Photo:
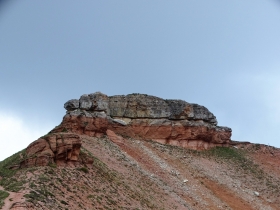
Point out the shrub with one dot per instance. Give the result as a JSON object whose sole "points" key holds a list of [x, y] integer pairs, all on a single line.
{"points": [[64, 130], [63, 202], [83, 169], [52, 164]]}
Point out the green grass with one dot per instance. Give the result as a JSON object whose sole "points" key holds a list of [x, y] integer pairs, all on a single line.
{"points": [[34, 196], [52, 165], [7, 181], [12, 184], [43, 178], [227, 153], [64, 130], [38, 195], [238, 158], [10, 161], [3, 196], [83, 169], [233, 156]]}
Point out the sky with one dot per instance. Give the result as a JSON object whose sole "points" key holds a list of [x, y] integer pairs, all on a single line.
{"points": [[221, 54]]}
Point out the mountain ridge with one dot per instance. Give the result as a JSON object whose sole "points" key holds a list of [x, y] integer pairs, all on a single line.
{"points": [[140, 152]]}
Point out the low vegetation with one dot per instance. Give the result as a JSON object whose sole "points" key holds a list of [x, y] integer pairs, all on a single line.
{"points": [[7, 173], [237, 157], [3, 196], [227, 153], [6, 164], [101, 186], [83, 169]]}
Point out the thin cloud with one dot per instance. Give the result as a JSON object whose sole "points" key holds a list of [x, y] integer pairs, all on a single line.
{"points": [[16, 135]]}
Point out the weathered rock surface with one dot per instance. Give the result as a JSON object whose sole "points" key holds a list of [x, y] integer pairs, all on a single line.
{"points": [[59, 148], [22, 206], [142, 116], [85, 102], [71, 105], [100, 102], [138, 106]]}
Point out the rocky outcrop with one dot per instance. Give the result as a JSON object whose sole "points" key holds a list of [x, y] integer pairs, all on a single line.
{"points": [[138, 116], [59, 148], [136, 106], [142, 116]]}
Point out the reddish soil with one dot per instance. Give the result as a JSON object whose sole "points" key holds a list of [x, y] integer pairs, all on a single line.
{"points": [[227, 196], [15, 200], [130, 173]]}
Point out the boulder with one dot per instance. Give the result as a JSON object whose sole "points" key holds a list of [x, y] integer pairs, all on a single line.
{"points": [[100, 102], [85, 102], [72, 104], [122, 122], [202, 113], [256, 193], [181, 110]]}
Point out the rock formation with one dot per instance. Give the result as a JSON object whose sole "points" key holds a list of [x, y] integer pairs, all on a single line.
{"points": [[109, 165], [138, 116], [147, 117], [59, 148]]}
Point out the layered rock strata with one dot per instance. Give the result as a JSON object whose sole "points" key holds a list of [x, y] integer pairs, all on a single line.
{"points": [[142, 116], [59, 148]]}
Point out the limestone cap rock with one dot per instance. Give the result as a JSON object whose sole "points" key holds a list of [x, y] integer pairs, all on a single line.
{"points": [[137, 105], [143, 116]]}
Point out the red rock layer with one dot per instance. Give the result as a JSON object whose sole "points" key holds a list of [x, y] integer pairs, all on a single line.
{"points": [[195, 135], [59, 148]]}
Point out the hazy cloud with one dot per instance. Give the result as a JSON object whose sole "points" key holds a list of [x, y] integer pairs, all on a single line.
{"points": [[16, 135]]}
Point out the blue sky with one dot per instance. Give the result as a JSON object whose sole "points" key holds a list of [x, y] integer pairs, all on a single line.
{"points": [[220, 54]]}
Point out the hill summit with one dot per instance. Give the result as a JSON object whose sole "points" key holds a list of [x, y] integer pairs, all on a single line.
{"points": [[141, 116], [139, 151], [174, 122]]}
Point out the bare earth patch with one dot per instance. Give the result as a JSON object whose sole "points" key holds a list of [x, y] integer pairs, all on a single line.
{"points": [[131, 173]]}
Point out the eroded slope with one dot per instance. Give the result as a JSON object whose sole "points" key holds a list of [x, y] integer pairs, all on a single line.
{"points": [[128, 173]]}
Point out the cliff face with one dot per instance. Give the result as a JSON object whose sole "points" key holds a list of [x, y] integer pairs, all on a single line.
{"points": [[142, 116]]}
